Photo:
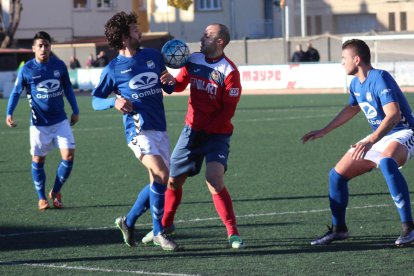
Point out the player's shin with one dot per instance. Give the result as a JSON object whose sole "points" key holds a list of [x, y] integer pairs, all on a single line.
{"points": [[140, 206], [338, 198], [224, 207], [157, 196], [397, 187], [39, 179], [172, 201], [62, 174]]}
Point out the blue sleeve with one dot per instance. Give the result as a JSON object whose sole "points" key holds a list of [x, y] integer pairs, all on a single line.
{"points": [[15, 94], [101, 92], [106, 84], [169, 89], [70, 95], [387, 88], [13, 100], [102, 103], [352, 100]]}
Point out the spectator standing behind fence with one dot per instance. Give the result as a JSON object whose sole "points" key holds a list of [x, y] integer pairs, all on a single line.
{"points": [[90, 61], [74, 63], [298, 54], [311, 54], [101, 60]]}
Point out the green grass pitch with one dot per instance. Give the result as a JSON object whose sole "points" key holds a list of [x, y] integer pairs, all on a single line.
{"points": [[278, 186]]}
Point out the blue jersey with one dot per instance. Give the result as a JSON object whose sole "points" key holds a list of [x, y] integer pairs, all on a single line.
{"points": [[45, 85], [136, 79], [379, 89]]}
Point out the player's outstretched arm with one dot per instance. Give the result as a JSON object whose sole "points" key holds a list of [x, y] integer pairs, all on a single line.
{"points": [[166, 78], [346, 114], [312, 135]]}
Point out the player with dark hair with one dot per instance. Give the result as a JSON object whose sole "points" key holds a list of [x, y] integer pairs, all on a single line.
{"points": [[45, 79], [215, 90], [388, 147], [138, 78]]}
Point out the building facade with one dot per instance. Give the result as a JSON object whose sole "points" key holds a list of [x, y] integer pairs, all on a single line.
{"points": [[265, 19], [70, 19], [67, 20]]}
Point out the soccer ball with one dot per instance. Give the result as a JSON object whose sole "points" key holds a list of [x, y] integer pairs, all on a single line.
{"points": [[175, 53]]}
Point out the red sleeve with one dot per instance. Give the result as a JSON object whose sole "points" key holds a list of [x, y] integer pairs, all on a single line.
{"points": [[231, 97], [181, 80]]}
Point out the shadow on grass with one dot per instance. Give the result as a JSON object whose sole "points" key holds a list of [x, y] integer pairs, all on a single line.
{"points": [[37, 238], [213, 249]]}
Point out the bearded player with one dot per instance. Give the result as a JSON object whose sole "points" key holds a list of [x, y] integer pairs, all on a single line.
{"points": [[215, 90]]}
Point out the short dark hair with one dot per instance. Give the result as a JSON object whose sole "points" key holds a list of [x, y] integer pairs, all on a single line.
{"points": [[42, 35], [224, 33], [118, 26], [360, 47]]}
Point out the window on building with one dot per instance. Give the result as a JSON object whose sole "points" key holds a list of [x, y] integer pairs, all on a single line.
{"points": [[403, 21], [161, 6], [208, 5], [318, 24], [308, 25], [80, 4], [104, 4], [391, 21]]}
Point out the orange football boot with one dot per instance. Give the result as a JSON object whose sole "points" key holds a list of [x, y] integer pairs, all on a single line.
{"points": [[43, 204], [57, 199]]}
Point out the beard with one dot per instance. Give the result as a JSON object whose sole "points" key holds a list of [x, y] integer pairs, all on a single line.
{"points": [[353, 71], [135, 43]]}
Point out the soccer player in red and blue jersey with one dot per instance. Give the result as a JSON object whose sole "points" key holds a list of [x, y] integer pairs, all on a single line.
{"points": [[389, 146], [46, 80], [215, 90], [135, 77]]}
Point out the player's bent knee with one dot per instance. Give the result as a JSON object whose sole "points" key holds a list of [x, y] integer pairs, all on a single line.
{"points": [[176, 183], [161, 177]]}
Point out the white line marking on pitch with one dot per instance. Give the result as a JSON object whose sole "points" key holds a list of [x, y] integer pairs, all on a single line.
{"points": [[97, 269], [141, 272], [194, 220]]}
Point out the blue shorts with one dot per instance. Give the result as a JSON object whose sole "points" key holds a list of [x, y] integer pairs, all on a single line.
{"points": [[193, 146]]}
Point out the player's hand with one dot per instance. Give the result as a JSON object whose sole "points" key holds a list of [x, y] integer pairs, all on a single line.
{"points": [[123, 105], [312, 135], [166, 78], [10, 122], [74, 119], [360, 149]]}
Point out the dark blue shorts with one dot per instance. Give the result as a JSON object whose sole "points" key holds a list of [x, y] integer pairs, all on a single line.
{"points": [[193, 146]]}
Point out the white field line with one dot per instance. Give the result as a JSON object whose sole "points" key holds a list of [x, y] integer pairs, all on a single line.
{"points": [[26, 130], [141, 272], [194, 220], [98, 269]]}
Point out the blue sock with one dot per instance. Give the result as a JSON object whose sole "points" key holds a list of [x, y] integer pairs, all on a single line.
{"points": [[62, 174], [338, 197], [139, 207], [157, 196], [397, 187], [39, 179]]}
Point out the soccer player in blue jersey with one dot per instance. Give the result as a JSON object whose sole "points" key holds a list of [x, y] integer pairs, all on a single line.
{"points": [[138, 78], [388, 147], [46, 80]]}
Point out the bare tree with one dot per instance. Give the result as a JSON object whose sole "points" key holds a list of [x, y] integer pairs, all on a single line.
{"points": [[7, 32]]}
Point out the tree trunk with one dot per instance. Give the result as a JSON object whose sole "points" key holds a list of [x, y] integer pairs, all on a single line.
{"points": [[7, 32]]}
